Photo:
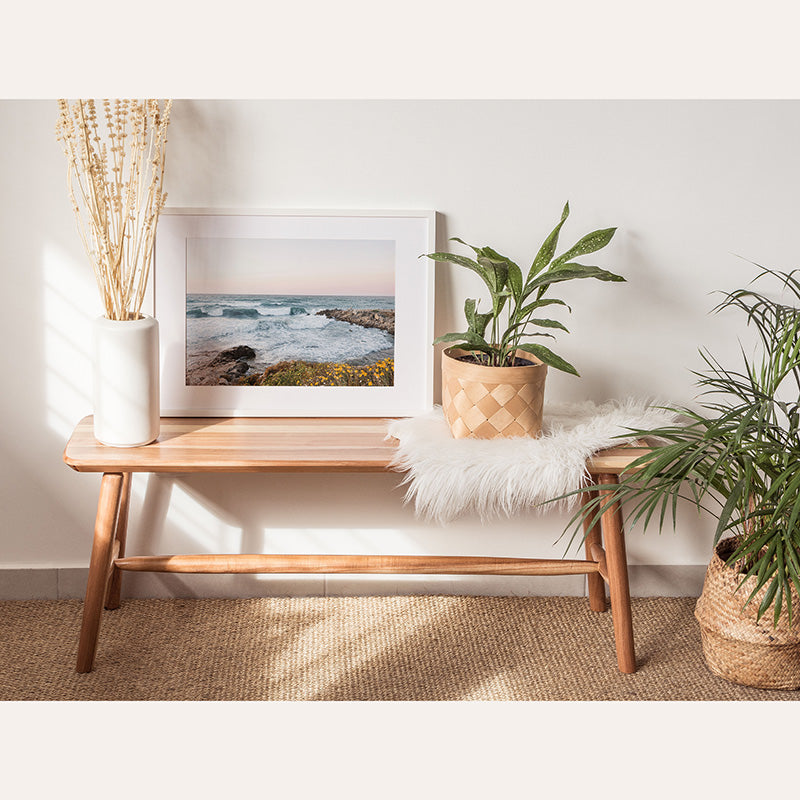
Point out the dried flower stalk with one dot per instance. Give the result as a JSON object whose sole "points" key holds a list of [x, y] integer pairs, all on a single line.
{"points": [[116, 170]]}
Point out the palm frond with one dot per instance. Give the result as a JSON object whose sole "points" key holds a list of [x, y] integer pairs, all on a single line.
{"points": [[740, 452]]}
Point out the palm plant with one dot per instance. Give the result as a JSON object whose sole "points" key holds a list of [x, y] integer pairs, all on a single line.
{"points": [[739, 456], [521, 297]]}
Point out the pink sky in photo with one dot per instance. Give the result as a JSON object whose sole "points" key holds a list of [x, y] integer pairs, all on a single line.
{"points": [[290, 266]]}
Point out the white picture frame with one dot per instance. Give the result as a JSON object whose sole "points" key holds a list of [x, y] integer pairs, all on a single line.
{"points": [[407, 235]]}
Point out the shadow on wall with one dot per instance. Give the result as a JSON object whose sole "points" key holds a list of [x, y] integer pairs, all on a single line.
{"points": [[274, 513], [167, 516], [203, 166], [313, 513], [442, 289], [278, 513]]}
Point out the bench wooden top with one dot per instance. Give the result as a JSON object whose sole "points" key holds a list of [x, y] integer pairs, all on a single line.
{"points": [[261, 444]]}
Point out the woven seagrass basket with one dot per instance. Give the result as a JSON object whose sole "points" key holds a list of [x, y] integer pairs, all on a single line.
{"points": [[491, 402], [736, 646]]}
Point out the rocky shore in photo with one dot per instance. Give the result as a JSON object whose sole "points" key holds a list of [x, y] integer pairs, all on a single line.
{"points": [[229, 367], [224, 368], [367, 318]]}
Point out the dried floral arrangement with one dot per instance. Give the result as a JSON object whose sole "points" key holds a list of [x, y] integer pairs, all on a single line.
{"points": [[115, 169]]}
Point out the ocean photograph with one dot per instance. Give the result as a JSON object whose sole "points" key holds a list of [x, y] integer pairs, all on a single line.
{"points": [[290, 312]]}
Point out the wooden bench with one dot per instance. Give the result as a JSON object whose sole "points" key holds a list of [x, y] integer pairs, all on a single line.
{"points": [[189, 445]]}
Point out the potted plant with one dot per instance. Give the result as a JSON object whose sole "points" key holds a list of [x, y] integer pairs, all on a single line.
{"points": [[115, 170], [738, 457], [493, 382]]}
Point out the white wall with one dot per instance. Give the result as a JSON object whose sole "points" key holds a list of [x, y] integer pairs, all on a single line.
{"points": [[690, 185]]}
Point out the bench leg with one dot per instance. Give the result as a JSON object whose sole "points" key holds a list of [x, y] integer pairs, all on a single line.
{"points": [[115, 583], [618, 589], [595, 583], [99, 566]]}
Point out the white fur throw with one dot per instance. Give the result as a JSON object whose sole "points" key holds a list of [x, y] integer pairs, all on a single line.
{"points": [[448, 477]]}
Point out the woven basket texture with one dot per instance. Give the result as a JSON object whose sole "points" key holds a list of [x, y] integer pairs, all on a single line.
{"points": [[736, 646], [491, 402]]}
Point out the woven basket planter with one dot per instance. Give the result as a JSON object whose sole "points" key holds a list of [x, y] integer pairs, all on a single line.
{"points": [[491, 402], [735, 646]]}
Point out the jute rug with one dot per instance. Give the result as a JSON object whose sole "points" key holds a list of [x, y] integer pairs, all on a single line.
{"points": [[359, 648]]}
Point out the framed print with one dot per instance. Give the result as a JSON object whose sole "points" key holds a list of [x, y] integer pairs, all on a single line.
{"points": [[294, 313]]}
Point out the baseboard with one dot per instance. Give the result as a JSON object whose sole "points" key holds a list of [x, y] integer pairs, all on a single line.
{"points": [[646, 580]]}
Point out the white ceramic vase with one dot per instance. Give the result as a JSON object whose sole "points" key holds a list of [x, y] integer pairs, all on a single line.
{"points": [[126, 392]]}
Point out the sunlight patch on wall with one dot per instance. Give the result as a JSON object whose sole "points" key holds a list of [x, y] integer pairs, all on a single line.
{"points": [[369, 541], [328, 541], [67, 286], [195, 520]]}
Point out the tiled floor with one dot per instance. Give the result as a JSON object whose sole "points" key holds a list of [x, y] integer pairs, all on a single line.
{"points": [[70, 583]]}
